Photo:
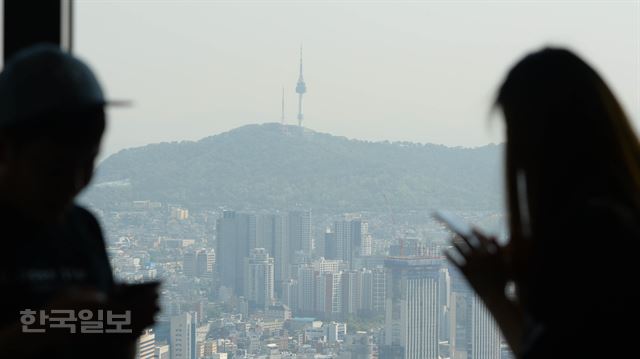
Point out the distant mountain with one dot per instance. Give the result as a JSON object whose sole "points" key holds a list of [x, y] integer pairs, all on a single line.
{"points": [[271, 166]]}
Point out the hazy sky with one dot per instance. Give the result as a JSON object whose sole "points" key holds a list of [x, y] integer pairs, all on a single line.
{"points": [[416, 71]]}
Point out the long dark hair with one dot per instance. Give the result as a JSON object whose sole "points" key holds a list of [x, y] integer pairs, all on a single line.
{"points": [[570, 138]]}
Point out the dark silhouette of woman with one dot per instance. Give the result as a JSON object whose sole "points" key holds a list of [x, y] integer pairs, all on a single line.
{"points": [[573, 189]]}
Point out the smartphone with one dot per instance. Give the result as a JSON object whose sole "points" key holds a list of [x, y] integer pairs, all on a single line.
{"points": [[458, 226]]}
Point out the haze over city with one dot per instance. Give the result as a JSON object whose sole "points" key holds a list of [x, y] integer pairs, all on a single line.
{"points": [[319, 179], [374, 70]]}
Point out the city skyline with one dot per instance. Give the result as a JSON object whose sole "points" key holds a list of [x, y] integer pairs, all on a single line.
{"points": [[235, 213], [412, 306]]}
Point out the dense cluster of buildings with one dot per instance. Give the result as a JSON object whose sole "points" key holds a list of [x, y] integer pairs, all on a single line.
{"points": [[268, 285]]}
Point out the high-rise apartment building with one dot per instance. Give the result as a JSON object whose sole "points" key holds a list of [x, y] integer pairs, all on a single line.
{"points": [[350, 238], [259, 276], [272, 233], [352, 292], [183, 336], [328, 294], [379, 291], [306, 290], [330, 245], [473, 332], [411, 320], [145, 348], [300, 238], [236, 236]]}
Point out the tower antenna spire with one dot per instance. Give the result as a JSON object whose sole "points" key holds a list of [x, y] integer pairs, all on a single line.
{"points": [[301, 89], [301, 61]]}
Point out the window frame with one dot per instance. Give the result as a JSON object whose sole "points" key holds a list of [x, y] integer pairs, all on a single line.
{"points": [[26, 23]]}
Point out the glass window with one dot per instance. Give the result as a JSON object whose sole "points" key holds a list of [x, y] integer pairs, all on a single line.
{"points": [[209, 182]]}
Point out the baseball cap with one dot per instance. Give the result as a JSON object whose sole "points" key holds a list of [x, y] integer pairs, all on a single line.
{"points": [[43, 79]]}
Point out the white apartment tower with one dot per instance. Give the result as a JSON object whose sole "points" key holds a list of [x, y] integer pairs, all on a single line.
{"points": [[485, 335], [183, 336], [473, 334], [146, 345], [259, 284], [411, 320]]}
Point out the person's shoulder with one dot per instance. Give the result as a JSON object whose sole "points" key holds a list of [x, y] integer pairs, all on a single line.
{"points": [[611, 213], [79, 212], [606, 221], [89, 232], [82, 216]]}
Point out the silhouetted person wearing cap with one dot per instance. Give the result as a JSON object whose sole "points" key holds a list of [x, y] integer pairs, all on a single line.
{"points": [[52, 252]]}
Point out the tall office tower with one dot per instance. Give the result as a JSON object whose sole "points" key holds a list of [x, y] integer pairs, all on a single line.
{"points": [[205, 262], [328, 294], [367, 292], [259, 278], [473, 332], [411, 320], [349, 236], [352, 292], [330, 245], [183, 336], [360, 236], [281, 251], [272, 233], [264, 235], [373, 291], [378, 299], [306, 290], [290, 294], [300, 238], [444, 303], [146, 345], [485, 334], [236, 236], [460, 328], [301, 89], [342, 231]]}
